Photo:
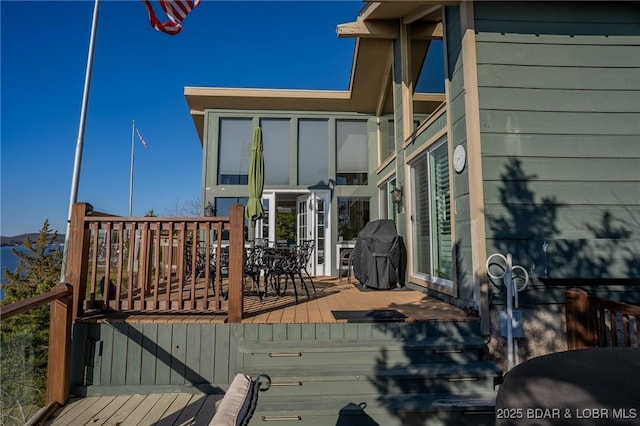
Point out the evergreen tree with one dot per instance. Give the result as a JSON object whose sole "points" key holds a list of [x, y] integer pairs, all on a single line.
{"points": [[25, 337]]}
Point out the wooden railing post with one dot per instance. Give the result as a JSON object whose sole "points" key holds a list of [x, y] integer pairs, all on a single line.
{"points": [[59, 365], [76, 262], [236, 262], [580, 330]]}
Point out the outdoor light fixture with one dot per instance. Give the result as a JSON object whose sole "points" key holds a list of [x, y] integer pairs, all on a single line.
{"points": [[396, 195], [209, 210]]}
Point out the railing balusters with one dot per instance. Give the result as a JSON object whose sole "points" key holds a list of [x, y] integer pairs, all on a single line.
{"points": [[156, 264], [119, 283], [143, 265], [182, 269], [131, 265], [217, 286], [106, 278], [159, 254], [207, 264], [626, 330], [602, 330], [169, 275], [95, 233], [601, 321], [194, 256], [614, 327]]}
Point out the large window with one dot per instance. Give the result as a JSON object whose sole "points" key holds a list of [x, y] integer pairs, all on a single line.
{"points": [[234, 151], [352, 152], [223, 208], [313, 156], [275, 142], [353, 214], [431, 214]]}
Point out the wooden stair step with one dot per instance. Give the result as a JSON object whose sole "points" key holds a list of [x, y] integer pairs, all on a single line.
{"points": [[359, 372], [313, 405], [292, 346]]}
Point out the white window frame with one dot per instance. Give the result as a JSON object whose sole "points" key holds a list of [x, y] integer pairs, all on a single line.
{"points": [[428, 277]]}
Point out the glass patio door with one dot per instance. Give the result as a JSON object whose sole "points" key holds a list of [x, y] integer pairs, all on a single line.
{"points": [[312, 213], [266, 227]]}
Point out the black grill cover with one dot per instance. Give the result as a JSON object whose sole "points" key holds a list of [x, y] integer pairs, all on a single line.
{"points": [[379, 256]]}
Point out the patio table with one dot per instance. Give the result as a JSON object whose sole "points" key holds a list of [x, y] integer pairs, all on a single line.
{"points": [[597, 386]]}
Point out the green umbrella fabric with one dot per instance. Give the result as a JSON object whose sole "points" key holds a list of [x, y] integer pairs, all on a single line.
{"points": [[254, 210]]}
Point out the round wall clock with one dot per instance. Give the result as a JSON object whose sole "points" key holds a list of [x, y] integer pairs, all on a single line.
{"points": [[459, 158]]}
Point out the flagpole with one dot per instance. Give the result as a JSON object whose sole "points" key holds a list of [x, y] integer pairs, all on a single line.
{"points": [[73, 198], [133, 129]]}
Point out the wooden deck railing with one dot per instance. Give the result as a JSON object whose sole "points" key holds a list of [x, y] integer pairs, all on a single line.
{"points": [[156, 264], [59, 359], [594, 322]]}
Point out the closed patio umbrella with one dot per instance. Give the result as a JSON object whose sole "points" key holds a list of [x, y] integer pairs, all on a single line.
{"points": [[254, 210]]}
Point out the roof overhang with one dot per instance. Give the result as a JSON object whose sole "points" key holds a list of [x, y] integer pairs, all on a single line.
{"points": [[370, 88]]}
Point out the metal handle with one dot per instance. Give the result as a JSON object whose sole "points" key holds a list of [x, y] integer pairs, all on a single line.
{"points": [[280, 418]]}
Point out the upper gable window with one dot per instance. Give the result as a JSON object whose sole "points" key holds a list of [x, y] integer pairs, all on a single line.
{"points": [[313, 155], [276, 147], [431, 78], [352, 152], [234, 151]]}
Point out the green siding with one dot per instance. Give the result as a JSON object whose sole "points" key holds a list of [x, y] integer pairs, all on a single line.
{"points": [[568, 168], [559, 91], [556, 146], [559, 100], [565, 78], [205, 357], [558, 123]]}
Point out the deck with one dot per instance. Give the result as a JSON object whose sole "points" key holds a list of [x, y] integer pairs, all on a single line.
{"points": [[193, 408], [331, 294], [129, 410]]}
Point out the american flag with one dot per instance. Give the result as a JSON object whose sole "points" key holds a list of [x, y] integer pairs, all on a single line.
{"points": [[176, 11], [144, 143]]}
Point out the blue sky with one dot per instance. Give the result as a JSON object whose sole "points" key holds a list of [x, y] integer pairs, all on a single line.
{"points": [[139, 73]]}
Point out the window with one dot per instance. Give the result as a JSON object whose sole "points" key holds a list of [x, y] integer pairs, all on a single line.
{"points": [[352, 158], [387, 141], [313, 155], [223, 207], [431, 78], [431, 216], [234, 151], [275, 143], [392, 139], [387, 208], [353, 214]]}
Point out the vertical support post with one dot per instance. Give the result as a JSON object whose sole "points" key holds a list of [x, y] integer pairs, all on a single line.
{"points": [[474, 163], [580, 331], [59, 364], [236, 263], [77, 258]]}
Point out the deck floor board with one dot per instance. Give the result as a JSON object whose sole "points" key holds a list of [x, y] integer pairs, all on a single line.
{"points": [[331, 295]]}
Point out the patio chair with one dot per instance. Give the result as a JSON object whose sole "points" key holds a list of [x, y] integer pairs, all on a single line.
{"points": [[345, 259], [240, 401], [299, 260]]}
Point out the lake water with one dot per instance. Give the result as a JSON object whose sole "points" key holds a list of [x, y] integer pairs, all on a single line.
{"points": [[9, 261]]}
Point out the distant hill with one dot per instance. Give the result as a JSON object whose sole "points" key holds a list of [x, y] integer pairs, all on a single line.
{"points": [[18, 239]]}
